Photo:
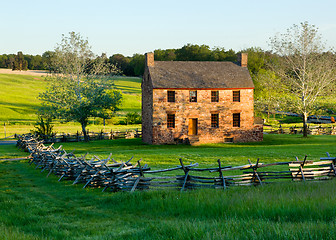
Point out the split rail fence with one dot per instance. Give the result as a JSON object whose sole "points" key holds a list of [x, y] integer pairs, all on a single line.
{"points": [[131, 175], [77, 137], [319, 130]]}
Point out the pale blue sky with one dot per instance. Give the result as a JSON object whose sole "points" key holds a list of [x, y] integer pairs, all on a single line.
{"points": [[129, 27]]}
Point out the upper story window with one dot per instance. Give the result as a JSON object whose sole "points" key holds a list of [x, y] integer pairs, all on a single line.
{"points": [[236, 96], [193, 96], [214, 96], [171, 96]]}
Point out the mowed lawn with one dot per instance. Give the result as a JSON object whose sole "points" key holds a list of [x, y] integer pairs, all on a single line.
{"points": [[35, 207], [19, 103]]}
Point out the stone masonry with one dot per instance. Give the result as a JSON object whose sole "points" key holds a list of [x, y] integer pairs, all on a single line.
{"points": [[155, 109]]}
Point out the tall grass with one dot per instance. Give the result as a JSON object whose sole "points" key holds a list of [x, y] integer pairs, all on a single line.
{"points": [[35, 207]]}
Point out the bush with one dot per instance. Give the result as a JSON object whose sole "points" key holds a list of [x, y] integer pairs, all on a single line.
{"points": [[133, 118], [43, 127]]}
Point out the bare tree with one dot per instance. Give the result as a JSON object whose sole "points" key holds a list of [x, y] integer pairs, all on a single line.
{"points": [[305, 66]]}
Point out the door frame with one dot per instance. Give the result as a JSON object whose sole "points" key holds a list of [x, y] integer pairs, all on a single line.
{"points": [[193, 126]]}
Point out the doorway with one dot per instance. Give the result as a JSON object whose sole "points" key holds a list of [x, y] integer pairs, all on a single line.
{"points": [[192, 126]]}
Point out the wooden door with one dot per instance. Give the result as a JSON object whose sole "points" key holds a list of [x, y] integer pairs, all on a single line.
{"points": [[192, 126]]}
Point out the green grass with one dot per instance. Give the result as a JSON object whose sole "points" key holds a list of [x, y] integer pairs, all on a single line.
{"points": [[19, 103], [35, 207], [18, 97], [274, 148]]}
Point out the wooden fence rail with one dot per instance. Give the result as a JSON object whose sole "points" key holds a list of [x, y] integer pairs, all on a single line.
{"points": [[319, 130], [111, 175], [77, 137]]}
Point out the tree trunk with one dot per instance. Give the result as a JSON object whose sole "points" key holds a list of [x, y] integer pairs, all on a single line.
{"points": [[305, 128], [86, 139]]}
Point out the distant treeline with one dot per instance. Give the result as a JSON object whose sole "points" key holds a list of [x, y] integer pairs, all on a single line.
{"points": [[129, 66], [22, 61]]}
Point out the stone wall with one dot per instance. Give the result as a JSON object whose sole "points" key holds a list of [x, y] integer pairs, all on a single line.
{"points": [[202, 110], [147, 108]]}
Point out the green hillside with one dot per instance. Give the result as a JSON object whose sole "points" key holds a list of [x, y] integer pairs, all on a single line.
{"points": [[18, 96], [19, 102]]}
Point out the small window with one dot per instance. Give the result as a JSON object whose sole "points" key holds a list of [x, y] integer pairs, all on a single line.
{"points": [[236, 119], [193, 96], [171, 96], [214, 96], [236, 96], [170, 120], [214, 120]]}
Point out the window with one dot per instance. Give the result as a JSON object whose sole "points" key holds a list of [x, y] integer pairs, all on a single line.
{"points": [[236, 96], [214, 96], [170, 120], [193, 96], [236, 119], [214, 120], [171, 96]]}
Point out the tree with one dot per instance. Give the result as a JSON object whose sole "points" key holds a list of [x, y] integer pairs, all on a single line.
{"points": [[20, 63], [81, 87], [305, 66], [195, 52], [122, 63], [138, 64], [269, 92], [47, 60]]}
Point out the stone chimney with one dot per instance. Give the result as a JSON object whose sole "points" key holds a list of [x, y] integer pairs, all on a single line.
{"points": [[149, 59], [242, 59]]}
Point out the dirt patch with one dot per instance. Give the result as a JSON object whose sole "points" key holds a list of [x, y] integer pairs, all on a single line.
{"points": [[28, 72]]}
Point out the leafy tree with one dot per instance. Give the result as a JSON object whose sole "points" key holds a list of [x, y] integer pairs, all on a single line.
{"points": [[305, 66], [81, 87], [195, 52], [122, 63], [19, 62], [269, 92], [47, 60], [258, 59], [138, 64], [165, 55], [219, 54]]}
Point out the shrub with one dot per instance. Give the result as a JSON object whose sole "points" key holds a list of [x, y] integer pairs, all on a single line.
{"points": [[133, 118], [44, 127]]}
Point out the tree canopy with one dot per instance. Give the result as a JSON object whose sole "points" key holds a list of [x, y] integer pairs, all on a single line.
{"points": [[80, 88]]}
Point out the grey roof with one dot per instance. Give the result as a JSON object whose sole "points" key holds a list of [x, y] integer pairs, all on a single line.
{"points": [[187, 74]]}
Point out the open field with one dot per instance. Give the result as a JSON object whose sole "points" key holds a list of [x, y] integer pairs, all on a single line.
{"points": [[36, 207], [38, 73], [18, 103]]}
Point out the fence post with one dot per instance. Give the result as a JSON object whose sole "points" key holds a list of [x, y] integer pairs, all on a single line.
{"points": [[186, 174], [221, 174]]}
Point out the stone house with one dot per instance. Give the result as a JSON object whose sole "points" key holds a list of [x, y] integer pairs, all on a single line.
{"points": [[198, 102]]}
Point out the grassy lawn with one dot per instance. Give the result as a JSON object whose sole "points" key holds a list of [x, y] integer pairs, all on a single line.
{"points": [[18, 104], [36, 207], [278, 148]]}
